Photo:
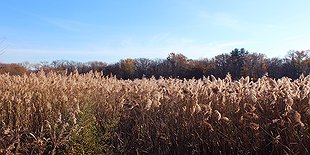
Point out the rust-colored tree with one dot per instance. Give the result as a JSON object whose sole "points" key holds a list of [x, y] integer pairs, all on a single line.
{"points": [[178, 64], [127, 67], [296, 63], [255, 66]]}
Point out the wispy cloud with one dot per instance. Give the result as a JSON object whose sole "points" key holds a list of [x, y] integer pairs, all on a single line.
{"points": [[212, 49], [65, 24], [227, 20], [189, 48], [274, 26], [135, 50], [232, 22], [70, 25], [127, 42], [159, 45], [50, 54], [61, 23], [222, 19]]}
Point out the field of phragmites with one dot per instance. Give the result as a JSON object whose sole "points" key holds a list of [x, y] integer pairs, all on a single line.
{"points": [[92, 114]]}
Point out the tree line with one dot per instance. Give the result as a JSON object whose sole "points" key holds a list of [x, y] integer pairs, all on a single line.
{"points": [[239, 63]]}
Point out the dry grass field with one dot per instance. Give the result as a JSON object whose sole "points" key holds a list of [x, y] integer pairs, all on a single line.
{"points": [[48, 113]]}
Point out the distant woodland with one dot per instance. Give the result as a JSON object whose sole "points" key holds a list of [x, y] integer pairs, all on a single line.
{"points": [[238, 63]]}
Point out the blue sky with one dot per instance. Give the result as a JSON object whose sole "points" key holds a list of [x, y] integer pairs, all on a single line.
{"points": [[80, 30]]}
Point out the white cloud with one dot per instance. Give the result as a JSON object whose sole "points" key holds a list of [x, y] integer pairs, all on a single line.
{"points": [[221, 19], [212, 49], [70, 25]]}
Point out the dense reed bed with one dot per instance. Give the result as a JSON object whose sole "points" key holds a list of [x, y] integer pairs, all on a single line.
{"points": [[92, 114]]}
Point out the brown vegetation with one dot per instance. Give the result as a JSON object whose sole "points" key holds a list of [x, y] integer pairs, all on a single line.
{"points": [[93, 114], [12, 69]]}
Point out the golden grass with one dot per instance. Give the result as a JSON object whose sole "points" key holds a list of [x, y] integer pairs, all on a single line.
{"points": [[92, 114]]}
